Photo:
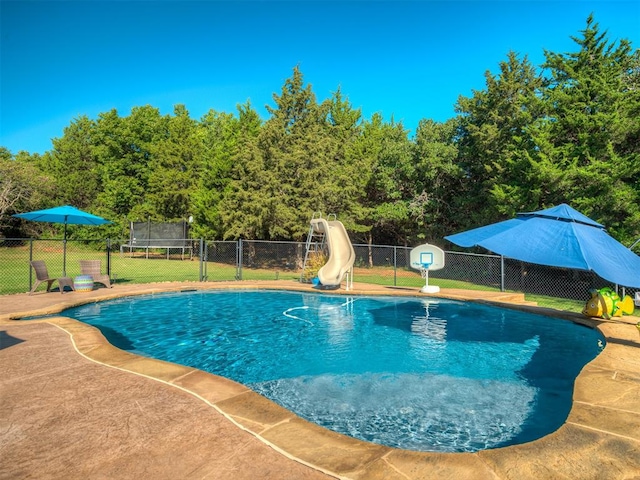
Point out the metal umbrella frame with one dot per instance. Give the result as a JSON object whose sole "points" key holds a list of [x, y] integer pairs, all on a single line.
{"points": [[66, 215]]}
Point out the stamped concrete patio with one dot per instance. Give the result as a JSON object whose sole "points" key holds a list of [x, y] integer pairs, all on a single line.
{"points": [[73, 406]]}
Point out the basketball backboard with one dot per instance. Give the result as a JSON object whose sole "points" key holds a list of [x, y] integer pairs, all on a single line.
{"points": [[427, 254]]}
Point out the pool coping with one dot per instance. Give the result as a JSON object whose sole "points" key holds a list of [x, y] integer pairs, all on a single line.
{"points": [[600, 439]]}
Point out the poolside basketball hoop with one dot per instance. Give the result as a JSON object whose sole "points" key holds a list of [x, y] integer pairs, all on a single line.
{"points": [[424, 258]]}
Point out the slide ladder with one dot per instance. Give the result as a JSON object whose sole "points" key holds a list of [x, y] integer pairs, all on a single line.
{"points": [[316, 241], [330, 236]]}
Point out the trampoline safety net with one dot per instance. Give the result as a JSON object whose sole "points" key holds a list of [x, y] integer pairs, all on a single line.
{"points": [[161, 235]]}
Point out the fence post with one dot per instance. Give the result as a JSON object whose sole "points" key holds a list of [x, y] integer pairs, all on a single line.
{"points": [[200, 263], [239, 260], [109, 257], [206, 258], [395, 266], [30, 259], [204, 255], [502, 274]]}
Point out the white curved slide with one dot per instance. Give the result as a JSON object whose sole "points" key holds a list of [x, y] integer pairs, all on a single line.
{"points": [[341, 253]]}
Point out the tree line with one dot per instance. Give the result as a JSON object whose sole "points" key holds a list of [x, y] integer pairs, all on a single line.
{"points": [[567, 131]]}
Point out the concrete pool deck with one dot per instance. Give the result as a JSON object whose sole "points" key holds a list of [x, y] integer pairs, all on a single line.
{"points": [[73, 406]]}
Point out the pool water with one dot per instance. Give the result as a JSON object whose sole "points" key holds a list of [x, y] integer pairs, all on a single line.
{"points": [[413, 373]]}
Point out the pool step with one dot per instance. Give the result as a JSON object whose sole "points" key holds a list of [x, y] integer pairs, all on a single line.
{"points": [[506, 297]]}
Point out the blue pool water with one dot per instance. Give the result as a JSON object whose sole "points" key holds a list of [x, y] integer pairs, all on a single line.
{"points": [[413, 373]]}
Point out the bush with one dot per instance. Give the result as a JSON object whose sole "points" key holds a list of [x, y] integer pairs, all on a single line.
{"points": [[315, 262]]}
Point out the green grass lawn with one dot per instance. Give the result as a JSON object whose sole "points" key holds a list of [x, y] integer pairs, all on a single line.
{"points": [[14, 265]]}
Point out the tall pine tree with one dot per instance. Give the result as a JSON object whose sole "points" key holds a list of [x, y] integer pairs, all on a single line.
{"points": [[588, 150]]}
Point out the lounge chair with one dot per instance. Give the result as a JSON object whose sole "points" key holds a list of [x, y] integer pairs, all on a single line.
{"points": [[42, 275], [93, 268]]}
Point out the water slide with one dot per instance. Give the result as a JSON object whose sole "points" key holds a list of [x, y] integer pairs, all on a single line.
{"points": [[341, 253]]}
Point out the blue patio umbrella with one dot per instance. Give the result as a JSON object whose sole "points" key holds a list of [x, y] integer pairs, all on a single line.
{"points": [[559, 237], [65, 214]]}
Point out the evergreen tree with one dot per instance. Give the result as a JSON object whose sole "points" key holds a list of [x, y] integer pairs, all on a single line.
{"points": [[125, 147], [176, 162], [588, 145], [437, 181], [279, 180], [385, 153], [495, 144], [73, 164], [223, 137], [345, 180]]}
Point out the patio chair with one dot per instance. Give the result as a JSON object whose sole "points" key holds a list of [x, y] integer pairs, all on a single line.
{"points": [[42, 275], [94, 268]]}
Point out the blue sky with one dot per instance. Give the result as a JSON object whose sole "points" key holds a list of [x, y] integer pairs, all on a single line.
{"points": [[410, 60]]}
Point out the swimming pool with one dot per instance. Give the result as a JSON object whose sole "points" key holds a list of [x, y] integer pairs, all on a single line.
{"points": [[413, 373]]}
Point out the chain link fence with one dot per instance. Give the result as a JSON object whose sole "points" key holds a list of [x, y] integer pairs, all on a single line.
{"points": [[210, 261]]}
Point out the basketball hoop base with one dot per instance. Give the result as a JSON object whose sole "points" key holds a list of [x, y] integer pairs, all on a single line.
{"points": [[424, 272], [430, 289]]}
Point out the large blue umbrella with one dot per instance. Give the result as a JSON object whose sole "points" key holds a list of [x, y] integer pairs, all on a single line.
{"points": [[559, 237], [66, 215]]}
